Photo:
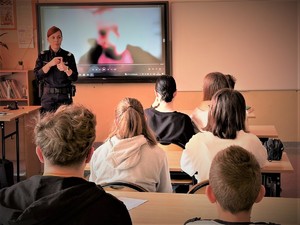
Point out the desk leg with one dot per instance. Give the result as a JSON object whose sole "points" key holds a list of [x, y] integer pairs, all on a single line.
{"points": [[272, 184], [18, 149], [3, 138]]}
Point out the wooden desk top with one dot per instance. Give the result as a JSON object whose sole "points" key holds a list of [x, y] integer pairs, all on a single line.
{"points": [[13, 114], [249, 114], [263, 131], [282, 166], [175, 208]]}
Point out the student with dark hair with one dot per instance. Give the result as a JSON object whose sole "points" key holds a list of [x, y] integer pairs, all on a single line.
{"points": [[211, 84], [55, 70], [130, 153], [225, 127], [64, 141], [235, 184], [231, 80], [169, 125]]}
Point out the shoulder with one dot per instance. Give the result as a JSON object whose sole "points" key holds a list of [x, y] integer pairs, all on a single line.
{"points": [[154, 152], [247, 135], [106, 146], [67, 53], [44, 53], [149, 111], [195, 221]]}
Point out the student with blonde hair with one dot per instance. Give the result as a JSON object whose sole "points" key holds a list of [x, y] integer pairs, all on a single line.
{"points": [[225, 127], [130, 153], [235, 184], [64, 141]]}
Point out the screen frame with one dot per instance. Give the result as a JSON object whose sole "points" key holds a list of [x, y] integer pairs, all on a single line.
{"points": [[118, 79]]}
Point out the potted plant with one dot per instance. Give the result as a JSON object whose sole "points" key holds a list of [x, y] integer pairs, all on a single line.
{"points": [[2, 44]]}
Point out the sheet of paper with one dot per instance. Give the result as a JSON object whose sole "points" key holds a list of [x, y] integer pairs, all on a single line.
{"points": [[131, 203]]}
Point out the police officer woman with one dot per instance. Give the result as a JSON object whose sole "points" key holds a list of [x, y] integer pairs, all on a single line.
{"points": [[55, 70]]}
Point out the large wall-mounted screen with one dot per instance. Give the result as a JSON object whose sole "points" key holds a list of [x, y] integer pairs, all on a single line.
{"points": [[111, 42]]}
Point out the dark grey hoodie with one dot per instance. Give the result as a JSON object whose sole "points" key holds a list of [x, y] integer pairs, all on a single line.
{"points": [[56, 200]]}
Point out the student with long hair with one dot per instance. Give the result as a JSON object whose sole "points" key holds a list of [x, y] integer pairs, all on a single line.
{"points": [[168, 125], [226, 126], [212, 82], [130, 153]]}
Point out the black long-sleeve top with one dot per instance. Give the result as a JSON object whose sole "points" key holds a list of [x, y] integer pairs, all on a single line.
{"points": [[55, 78]]}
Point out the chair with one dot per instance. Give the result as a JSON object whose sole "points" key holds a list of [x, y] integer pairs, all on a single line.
{"points": [[122, 186], [170, 147], [199, 188], [178, 178]]}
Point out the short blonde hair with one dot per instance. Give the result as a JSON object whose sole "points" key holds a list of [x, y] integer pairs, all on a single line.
{"points": [[67, 135]]}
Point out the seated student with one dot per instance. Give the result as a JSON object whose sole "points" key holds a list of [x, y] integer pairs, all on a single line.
{"points": [[231, 80], [235, 184], [225, 127], [169, 125], [131, 153], [211, 84], [61, 195]]}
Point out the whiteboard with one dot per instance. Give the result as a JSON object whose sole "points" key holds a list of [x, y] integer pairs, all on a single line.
{"points": [[256, 41]]}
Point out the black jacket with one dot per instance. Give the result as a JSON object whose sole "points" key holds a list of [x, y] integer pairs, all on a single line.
{"points": [[56, 78], [56, 200]]}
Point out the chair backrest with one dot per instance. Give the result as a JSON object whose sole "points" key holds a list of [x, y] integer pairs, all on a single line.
{"points": [[122, 186], [199, 188], [170, 147]]}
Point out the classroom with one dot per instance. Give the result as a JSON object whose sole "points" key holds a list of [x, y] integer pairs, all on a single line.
{"points": [[260, 47]]}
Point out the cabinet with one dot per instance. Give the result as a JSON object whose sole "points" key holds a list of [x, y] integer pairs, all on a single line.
{"points": [[20, 81]]}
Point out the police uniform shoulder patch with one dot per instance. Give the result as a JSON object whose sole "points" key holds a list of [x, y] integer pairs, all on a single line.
{"points": [[43, 52], [69, 53]]}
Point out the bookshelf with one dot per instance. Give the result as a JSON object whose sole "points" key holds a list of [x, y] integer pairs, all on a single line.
{"points": [[16, 85]]}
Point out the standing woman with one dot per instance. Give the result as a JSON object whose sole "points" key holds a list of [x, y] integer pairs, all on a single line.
{"points": [[169, 125], [55, 70], [131, 154]]}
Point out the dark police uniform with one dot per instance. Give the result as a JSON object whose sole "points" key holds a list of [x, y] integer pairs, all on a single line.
{"points": [[56, 86]]}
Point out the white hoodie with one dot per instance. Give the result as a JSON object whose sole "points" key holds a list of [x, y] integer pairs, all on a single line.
{"points": [[131, 160]]}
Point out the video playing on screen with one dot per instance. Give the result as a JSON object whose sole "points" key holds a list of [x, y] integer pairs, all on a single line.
{"points": [[111, 42]]}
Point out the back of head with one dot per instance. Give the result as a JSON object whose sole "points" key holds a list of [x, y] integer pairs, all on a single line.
{"points": [[130, 121], [235, 179], [166, 86], [231, 80], [212, 83], [67, 135], [227, 114]]}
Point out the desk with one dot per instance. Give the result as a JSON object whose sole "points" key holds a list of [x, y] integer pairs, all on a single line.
{"points": [[171, 208], [282, 166], [271, 172], [263, 131], [14, 115], [249, 114]]}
